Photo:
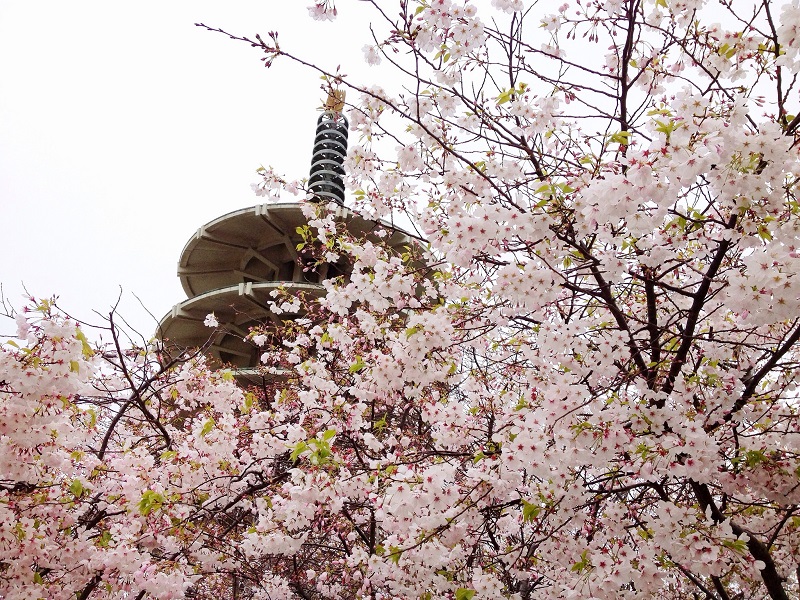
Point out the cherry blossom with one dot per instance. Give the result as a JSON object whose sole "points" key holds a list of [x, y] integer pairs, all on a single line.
{"points": [[372, 54], [580, 382], [323, 11]]}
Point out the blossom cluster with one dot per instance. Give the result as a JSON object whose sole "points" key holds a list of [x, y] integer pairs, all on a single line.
{"points": [[580, 383]]}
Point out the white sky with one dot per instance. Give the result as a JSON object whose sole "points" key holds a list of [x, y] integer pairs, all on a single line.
{"points": [[124, 128]]}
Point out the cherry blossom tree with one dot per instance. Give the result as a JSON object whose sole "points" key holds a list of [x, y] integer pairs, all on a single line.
{"points": [[583, 384]]}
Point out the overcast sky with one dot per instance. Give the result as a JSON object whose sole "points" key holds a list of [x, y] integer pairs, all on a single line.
{"points": [[124, 128]]}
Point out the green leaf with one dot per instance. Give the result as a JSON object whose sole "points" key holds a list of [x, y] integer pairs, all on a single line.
{"points": [[328, 435], [358, 365], [584, 564], [753, 458], [529, 511], [76, 488], [727, 51], [74, 366], [86, 348], [621, 137], [412, 330], [505, 96], [150, 501], [464, 594], [249, 401], [666, 128], [299, 448], [321, 454], [44, 306], [105, 539], [738, 546], [207, 427], [380, 424], [37, 578]]}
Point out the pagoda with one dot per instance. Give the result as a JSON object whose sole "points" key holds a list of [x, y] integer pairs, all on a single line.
{"points": [[232, 265]]}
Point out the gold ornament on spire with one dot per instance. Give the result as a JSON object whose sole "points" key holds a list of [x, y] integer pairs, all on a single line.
{"points": [[335, 101]]}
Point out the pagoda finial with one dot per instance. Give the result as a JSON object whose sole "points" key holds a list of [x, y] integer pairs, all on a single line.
{"points": [[335, 101], [326, 178]]}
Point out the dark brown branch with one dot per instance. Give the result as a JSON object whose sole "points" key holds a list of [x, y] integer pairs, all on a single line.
{"points": [[769, 574], [653, 329], [752, 382], [694, 313], [90, 587]]}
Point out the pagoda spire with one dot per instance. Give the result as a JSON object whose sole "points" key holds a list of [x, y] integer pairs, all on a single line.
{"points": [[326, 177]]}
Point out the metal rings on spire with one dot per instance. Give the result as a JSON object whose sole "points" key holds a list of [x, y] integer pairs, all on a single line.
{"points": [[326, 177]]}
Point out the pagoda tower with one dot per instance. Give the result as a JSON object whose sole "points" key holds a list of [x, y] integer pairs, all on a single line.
{"points": [[233, 263]]}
